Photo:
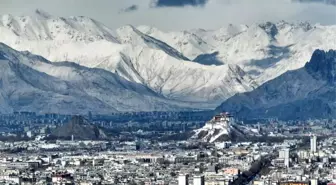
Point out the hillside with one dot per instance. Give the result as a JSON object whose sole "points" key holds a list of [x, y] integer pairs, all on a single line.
{"points": [[129, 53], [31, 83], [305, 93], [195, 69], [80, 129]]}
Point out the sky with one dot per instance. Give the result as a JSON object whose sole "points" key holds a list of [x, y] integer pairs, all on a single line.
{"points": [[179, 14]]}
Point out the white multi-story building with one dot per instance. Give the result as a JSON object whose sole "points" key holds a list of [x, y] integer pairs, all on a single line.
{"points": [[284, 154], [313, 144], [199, 180], [286, 151], [281, 154], [183, 179]]}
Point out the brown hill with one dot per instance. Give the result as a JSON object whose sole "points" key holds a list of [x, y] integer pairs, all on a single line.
{"points": [[80, 128]]}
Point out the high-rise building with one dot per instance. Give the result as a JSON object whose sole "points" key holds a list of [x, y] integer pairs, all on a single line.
{"points": [[286, 162], [199, 180], [183, 179], [284, 154], [281, 154], [313, 144]]}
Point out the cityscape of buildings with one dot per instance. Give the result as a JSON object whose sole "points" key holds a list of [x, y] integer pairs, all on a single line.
{"points": [[282, 153], [179, 163]]}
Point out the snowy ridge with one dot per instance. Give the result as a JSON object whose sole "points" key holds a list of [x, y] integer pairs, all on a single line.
{"points": [[264, 50], [31, 83], [140, 59], [46, 27], [224, 62], [189, 44], [131, 35]]}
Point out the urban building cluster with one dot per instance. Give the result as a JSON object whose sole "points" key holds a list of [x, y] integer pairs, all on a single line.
{"points": [[138, 153], [102, 162], [176, 163], [313, 163]]}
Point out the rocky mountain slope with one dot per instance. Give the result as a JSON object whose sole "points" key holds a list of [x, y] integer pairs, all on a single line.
{"points": [[131, 54], [31, 83], [194, 68], [188, 43], [264, 50], [308, 92]]}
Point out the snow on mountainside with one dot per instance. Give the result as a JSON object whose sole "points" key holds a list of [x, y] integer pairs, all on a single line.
{"points": [[132, 55], [230, 60], [46, 27], [264, 51], [305, 93], [188, 43], [31, 83], [131, 35]]}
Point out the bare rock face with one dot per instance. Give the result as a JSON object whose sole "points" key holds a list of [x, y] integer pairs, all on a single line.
{"points": [[323, 65]]}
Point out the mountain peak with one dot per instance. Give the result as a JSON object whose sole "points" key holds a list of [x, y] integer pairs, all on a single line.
{"points": [[131, 35], [270, 28], [323, 65], [43, 26], [5, 52], [42, 14]]}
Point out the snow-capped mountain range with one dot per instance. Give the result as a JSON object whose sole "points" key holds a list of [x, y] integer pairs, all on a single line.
{"points": [[183, 69], [31, 83], [131, 54], [264, 51]]}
